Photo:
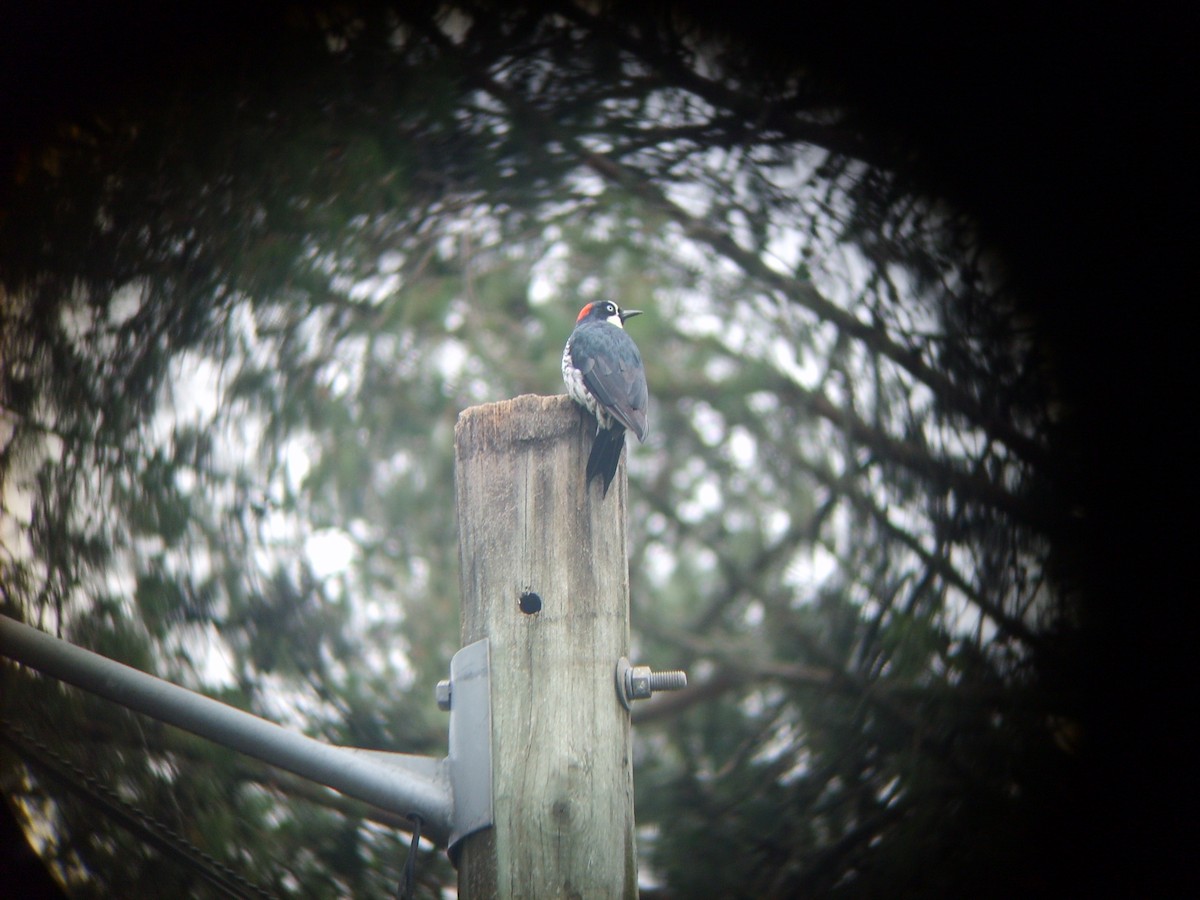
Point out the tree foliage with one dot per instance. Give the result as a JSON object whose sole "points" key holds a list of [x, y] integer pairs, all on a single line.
{"points": [[243, 304]]}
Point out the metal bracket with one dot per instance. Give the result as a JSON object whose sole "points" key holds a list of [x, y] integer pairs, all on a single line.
{"points": [[466, 772], [469, 695]]}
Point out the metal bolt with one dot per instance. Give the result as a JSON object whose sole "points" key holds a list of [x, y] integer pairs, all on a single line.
{"points": [[639, 682], [443, 693]]}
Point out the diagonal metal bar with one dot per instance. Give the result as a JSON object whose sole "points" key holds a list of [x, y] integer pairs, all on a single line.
{"points": [[398, 782]]}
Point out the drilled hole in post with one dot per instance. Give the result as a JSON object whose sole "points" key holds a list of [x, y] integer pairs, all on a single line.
{"points": [[530, 603]]}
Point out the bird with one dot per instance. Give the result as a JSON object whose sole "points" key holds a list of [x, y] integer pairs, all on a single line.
{"points": [[604, 374]]}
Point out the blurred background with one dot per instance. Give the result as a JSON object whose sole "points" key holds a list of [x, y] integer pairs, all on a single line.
{"points": [[253, 264]]}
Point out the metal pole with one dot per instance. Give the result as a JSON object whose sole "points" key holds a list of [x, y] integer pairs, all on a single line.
{"points": [[397, 782]]}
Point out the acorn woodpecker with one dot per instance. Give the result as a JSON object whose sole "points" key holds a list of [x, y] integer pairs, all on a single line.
{"points": [[604, 374]]}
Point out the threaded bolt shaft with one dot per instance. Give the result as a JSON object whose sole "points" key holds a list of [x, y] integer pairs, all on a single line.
{"points": [[673, 680]]}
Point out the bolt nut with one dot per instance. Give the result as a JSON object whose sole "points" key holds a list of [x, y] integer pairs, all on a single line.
{"points": [[443, 693], [640, 682]]}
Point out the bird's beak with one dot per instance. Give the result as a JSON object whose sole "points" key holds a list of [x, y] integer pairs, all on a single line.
{"points": [[629, 313]]}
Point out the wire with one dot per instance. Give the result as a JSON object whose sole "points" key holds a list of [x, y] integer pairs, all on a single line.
{"points": [[405, 891], [142, 825]]}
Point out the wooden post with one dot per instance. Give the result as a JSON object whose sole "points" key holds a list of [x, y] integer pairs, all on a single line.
{"points": [[532, 534]]}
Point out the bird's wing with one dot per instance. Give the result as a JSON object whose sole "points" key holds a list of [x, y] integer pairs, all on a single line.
{"points": [[619, 386]]}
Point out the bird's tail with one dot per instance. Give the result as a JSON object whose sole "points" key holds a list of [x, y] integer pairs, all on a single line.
{"points": [[606, 455]]}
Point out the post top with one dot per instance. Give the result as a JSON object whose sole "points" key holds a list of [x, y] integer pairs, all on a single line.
{"points": [[506, 423]]}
